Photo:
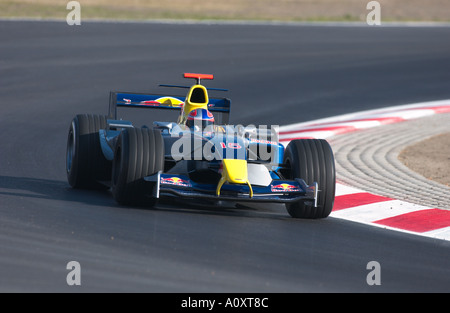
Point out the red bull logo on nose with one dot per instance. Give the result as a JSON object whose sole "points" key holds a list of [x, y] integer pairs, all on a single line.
{"points": [[176, 181], [284, 188]]}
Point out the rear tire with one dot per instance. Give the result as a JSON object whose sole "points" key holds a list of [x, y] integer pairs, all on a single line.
{"points": [[138, 153], [312, 160], [85, 162]]}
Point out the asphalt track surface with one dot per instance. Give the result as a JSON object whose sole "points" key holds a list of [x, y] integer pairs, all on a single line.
{"points": [[276, 75]]}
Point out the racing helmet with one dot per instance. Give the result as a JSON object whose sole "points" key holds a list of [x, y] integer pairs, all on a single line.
{"points": [[199, 118]]}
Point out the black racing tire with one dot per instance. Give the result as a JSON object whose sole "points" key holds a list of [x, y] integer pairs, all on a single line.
{"points": [[311, 160], [138, 153], [85, 163]]}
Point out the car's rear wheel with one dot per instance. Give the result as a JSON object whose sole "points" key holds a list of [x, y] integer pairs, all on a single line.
{"points": [[138, 153], [311, 160], [86, 165]]}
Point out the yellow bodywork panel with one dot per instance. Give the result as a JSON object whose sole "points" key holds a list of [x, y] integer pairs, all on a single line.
{"points": [[234, 172], [197, 98]]}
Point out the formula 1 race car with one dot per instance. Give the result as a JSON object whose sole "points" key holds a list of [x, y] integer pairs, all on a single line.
{"points": [[200, 156]]}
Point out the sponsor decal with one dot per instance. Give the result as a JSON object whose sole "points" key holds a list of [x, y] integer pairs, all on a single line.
{"points": [[150, 102], [169, 101], [231, 145], [176, 181], [263, 141], [166, 101], [284, 188]]}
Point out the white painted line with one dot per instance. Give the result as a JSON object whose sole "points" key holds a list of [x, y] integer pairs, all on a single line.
{"points": [[345, 190], [442, 233]]}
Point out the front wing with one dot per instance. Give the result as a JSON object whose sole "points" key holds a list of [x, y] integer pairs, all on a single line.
{"points": [[279, 191]]}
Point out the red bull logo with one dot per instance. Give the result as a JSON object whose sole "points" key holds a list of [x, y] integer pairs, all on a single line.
{"points": [[176, 181], [284, 188], [164, 101]]}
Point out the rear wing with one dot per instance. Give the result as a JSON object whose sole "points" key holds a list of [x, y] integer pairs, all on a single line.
{"points": [[146, 101]]}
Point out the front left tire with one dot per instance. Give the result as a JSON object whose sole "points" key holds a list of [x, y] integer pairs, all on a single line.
{"points": [[138, 153]]}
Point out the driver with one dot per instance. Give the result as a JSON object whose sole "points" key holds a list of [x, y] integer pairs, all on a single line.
{"points": [[200, 119]]}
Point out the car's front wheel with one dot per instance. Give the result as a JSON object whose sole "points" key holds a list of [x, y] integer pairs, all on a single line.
{"points": [[138, 153], [311, 160]]}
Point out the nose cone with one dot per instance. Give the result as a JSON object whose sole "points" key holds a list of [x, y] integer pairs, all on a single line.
{"points": [[236, 171]]}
